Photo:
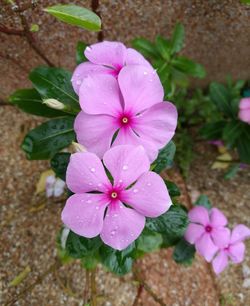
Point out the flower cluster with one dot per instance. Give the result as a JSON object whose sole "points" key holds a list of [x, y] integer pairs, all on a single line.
{"points": [[213, 240], [123, 124]]}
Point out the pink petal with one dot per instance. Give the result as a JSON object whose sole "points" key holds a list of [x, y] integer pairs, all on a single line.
{"points": [[221, 236], [240, 233], [100, 94], [140, 87], [126, 164], [157, 124], [127, 136], [206, 247], [244, 115], [95, 132], [244, 103], [84, 70], [194, 232], [220, 262], [83, 214], [86, 173], [199, 214], [108, 53], [237, 252], [149, 195], [217, 218], [121, 226], [135, 58]]}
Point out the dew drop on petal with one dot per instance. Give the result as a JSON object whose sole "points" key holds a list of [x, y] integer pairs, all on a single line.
{"points": [[125, 167], [148, 184], [135, 190], [99, 185], [78, 82], [97, 207], [92, 170], [88, 201], [88, 49], [90, 184], [145, 73]]}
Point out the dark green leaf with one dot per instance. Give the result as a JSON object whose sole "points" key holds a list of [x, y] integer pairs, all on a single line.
{"points": [[177, 38], [49, 138], [59, 164], [79, 247], [243, 145], [203, 200], [172, 224], [173, 190], [165, 157], [29, 101], [163, 45], [55, 83], [232, 132], [220, 96], [80, 48], [189, 67], [75, 15], [118, 262], [149, 241], [90, 262], [184, 252], [213, 131], [145, 47], [231, 172]]}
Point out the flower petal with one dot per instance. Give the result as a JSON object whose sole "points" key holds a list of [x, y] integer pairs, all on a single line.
{"points": [[86, 173], [221, 236], [237, 252], [140, 87], [220, 262], [157, 124], [149, 196], [126, 164], [245, 103], [95, 132], [108, 53], [217, 218], [83, 214], [84, 70], [135, 58], [100, 94], [240, 233], [244, 115], [194, 232], [206, 247], [121, 226], [199, 214]]}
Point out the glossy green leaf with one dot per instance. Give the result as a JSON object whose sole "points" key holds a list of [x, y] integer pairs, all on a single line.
{"points": [[80, 48], [220, 96], [232, 132], [243, 145], [55, 83], [163, 45], [75, 15], [79, 247], [29, 101], [146, 47], [165, 157], [204, 201], [59, 164], [213, 131], [189, 67], [184, 252], [149, 241], [177, 38], [173, 189], [47, 139]]}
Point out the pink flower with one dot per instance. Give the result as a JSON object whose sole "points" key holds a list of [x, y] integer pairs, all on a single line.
{"points": [[233, 248], [106, 58], [207, 230], [131, 105], [244, 110], [114, 210]]}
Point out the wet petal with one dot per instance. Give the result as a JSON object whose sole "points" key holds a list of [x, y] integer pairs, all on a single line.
{"points": [[102, 129], [240, 233], [221, 236], [83, 214], [220, 262], [237, 252], [149, 195], [199, 214], [206, 247], [121, 226], [194, 232], [141, 88], [126, 163], [217, 218], [86, 173], [135, 58]]}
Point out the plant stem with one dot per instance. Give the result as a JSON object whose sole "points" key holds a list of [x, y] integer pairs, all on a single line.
{"points": [[138, 295], [93, 288], [9, 31], [86, 289]]}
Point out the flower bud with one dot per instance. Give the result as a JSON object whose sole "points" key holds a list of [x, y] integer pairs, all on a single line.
{"points": [[78, 147], [53, 103]]}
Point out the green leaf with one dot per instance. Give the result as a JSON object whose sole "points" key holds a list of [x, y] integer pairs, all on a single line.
{"points": [[149, 241], [163, 45], [243, 145], [177, 38], [59, 164], [204, 201], [29, 101], [75, 15], [245, 1], [49, 138], [55, 83], [34, 28], [232, 132], [79, 247], [80, 48], [231, 172], [91, 261], [173, 189], [165, 157], [144, 46], [118, 262], [189, 67], [172, 224], [220, 96], [213, 131], [184, 252]]}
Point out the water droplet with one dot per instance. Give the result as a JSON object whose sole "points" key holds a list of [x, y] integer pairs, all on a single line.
{"points": [[148, 184], [97, 207], [77, 217], [107, 215], [78, 82], [135, 190], [115, 215], [150, 80], [90, 184], [92, 169], [120, 181], [113, 233], [132, 235], [125, 167], [88, 201], [99, 185], [105, 103], [88, 49], [145, 73]]}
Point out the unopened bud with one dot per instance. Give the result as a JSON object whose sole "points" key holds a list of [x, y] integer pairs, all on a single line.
{"points": [[78, 147], [53, 103]]}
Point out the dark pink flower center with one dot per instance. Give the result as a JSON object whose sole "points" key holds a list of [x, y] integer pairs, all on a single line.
{"points": [[208, 228], [125, 120], [114, 194]]}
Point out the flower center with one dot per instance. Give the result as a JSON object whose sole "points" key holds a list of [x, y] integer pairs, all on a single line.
{"points": [[114, 195], [124, 120], [208, 229]]}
